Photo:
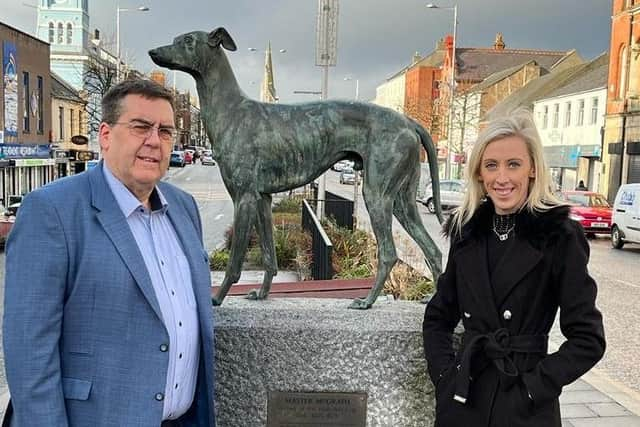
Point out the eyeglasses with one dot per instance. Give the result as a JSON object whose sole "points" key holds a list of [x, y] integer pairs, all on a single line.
{"points": [[144, 130]]}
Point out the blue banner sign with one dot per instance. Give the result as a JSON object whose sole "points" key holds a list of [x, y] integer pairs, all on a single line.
{"points": [[10, 83], [23, 151]]}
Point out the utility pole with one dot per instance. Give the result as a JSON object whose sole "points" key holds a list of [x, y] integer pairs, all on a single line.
{"points": [[326, 55]]}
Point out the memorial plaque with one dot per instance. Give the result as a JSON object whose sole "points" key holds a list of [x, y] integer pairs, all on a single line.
{"points": [[285, 409]]}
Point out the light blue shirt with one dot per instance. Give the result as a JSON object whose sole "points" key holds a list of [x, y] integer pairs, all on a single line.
{"points": [[170, 275]]}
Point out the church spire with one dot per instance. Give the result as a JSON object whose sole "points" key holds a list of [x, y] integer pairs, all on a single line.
{"points": [[268, 89]]}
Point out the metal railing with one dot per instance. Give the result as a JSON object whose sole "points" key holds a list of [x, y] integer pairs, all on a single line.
{"points": [[340, 209], [321, 247]]}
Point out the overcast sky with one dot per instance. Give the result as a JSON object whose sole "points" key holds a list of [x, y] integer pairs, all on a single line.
{"points": [[376, 38]]}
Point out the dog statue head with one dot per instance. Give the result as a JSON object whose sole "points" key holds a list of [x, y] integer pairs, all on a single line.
{"points": [[193, 52]]}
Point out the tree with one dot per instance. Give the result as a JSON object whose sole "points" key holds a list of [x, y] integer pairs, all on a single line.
{"points": [[98, 78], [464, 127]]}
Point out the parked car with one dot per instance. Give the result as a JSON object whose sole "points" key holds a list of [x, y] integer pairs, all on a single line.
{"points": [[342, 164], [6, 224], [625, 221], [14, 204], [207, 159], [189, 157], [451, 194], [591, 210], [177, 159], [348, 176]]}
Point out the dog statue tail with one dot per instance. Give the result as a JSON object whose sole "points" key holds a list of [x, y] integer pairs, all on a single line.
{"points": [[432, 157]]}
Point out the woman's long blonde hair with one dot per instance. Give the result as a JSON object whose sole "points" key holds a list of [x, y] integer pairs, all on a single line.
{"points": [[519, 124]]}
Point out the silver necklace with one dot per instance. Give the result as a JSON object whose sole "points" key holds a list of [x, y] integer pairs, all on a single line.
{"points": [[503, 225]]}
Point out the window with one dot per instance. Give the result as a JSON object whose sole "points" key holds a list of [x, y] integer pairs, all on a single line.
{"points": [[60, 32], [71, 122], [61, 125], [52, 32], [580, 120], [545, 117], [594, 111], [567, 115], [25, 102], [69, 33], [556, 115], [40, 105]]}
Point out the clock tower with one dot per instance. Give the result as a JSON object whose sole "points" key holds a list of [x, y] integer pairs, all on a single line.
{"points": [[64, 24]]}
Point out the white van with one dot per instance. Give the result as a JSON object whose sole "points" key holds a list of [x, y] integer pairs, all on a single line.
{"points": [[625, 221]]}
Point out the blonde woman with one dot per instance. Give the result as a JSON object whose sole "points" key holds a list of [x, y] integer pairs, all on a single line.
{"points": [[515, 259]]}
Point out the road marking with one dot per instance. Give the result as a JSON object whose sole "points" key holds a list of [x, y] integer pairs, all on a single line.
{"points": [[219, 216], [627, 283], [209, 196]]}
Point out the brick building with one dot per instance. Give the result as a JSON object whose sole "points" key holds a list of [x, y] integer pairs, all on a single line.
{"points": [[25, 113], [621, 155]]}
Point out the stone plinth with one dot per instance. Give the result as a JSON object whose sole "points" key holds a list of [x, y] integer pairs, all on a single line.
{"points": [[318, 345]]}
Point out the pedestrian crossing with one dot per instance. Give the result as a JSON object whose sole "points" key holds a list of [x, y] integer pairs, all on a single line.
{"points": [[212, 195]]}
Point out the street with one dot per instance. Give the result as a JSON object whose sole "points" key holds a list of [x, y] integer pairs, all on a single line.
{"points": [[617, 272]]}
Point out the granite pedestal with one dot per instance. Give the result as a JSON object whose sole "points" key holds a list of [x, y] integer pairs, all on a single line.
{"points": [[318, 345]]}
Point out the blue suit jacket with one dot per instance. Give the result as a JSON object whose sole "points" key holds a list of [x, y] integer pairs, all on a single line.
{"points": [[82, 326]]}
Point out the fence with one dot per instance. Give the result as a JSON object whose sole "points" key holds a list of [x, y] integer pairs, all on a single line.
{"points": [[321, 247]]}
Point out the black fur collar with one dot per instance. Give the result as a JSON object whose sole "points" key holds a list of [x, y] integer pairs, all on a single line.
{"points": [[536, 227]]}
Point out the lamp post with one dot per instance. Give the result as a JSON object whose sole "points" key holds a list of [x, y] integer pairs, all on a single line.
{"points": [[118, 10], [452, 89]]}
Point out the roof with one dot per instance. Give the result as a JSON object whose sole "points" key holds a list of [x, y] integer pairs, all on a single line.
{"points": [[476, 64], [594, 76], [434, 59], [500, 75], [534, 90], [63, 90]]}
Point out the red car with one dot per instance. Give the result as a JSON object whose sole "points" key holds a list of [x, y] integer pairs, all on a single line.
{"points": [[6, 223], [590, 209], [188, 157]]}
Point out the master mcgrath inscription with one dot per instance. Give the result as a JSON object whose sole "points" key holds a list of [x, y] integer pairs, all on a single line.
{"points": [[286, 409]]}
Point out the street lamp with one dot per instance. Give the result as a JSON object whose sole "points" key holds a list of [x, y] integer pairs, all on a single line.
{"points": [[447, 164], [118, 10], [346, 79]]}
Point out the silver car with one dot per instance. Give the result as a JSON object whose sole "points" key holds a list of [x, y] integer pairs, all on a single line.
{"points": [[451, 194]]}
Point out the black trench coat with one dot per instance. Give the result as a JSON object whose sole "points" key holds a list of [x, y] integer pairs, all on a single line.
{"points": [[503, 356]]}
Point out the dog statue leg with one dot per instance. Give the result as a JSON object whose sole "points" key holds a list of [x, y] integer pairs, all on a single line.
{"points": [[264, 226], [380, 211], [243, 220]]}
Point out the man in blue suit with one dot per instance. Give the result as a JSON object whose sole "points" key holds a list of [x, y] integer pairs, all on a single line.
{"points": [[108, 318]]}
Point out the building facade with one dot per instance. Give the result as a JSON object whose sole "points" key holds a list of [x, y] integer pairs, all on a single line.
{"points": [[65, 26], [69, 129], [25, 114], [570, 129], [621, 155]]}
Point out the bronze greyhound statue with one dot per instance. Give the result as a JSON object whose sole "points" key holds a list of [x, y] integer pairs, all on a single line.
{"points": [[269, 148]]}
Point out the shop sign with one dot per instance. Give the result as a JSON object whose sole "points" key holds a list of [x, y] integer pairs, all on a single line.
{"points": [[20, 151], [61, 154], [34, 162], [84, 156], [79, 140]]}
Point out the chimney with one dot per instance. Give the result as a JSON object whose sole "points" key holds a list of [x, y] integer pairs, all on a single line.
{"points": [[440, 45], [448, 44], [499, 43], [416, 58]]}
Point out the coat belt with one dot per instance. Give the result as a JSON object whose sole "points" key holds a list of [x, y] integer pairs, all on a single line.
{"points": [[498, 347]]}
